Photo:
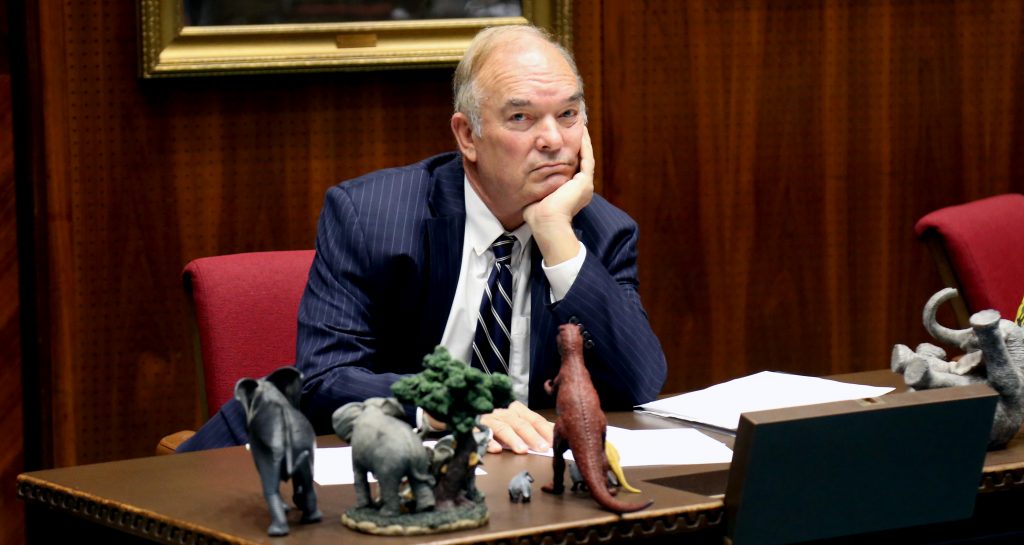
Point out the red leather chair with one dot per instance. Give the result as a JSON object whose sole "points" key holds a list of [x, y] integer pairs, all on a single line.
{"points": [[979, 249], [245, 309]]}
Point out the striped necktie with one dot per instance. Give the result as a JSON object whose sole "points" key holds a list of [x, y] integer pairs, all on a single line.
{"points": [[494, 321]]}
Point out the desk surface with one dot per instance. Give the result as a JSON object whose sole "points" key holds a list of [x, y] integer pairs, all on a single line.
{"points": [[214, 496]]}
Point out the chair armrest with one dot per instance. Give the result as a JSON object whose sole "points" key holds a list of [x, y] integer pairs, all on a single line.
{"points": [[169, 444]]}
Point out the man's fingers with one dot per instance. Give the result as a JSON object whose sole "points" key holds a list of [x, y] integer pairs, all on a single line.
{"points": [[519, 429], [587, 162], [505, 434], [540, 426], [529, 434]]}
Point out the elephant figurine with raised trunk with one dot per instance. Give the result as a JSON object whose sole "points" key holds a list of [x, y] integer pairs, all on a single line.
{"points": [[993, 354], [282, 443], [384, 444]]}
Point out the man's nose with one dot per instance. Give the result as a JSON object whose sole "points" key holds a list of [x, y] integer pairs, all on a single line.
{"points": [[549, 134]]}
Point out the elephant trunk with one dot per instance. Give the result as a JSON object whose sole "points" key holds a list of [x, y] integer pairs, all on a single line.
{"points": [[1001, 373], [1015, 350], [1003, 349], [958, 337]]}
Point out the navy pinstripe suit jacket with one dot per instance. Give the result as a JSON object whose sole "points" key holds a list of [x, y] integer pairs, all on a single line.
{"points": [[389, 249], [388, 253]]}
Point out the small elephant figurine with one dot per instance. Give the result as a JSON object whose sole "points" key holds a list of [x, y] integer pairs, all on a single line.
{"points": [[994, 355], [282, 443], [384, 444], [520, 488]]}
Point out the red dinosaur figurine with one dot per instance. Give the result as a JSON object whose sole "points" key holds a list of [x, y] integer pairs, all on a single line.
{"points": [[581, 425]]}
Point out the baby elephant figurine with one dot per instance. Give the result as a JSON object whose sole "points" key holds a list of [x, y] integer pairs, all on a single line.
{"points": [[444, 451], [282, 443], [994, 355], [384, 444], [520, 487]]}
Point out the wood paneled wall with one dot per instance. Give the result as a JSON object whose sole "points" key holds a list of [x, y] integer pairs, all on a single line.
{"points": [[144, 176], [775, 154], [12, 511]]}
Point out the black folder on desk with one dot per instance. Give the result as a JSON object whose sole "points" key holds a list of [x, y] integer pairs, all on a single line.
{"points": [[853, 467]]}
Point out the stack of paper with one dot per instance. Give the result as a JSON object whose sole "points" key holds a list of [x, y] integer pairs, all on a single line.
{"points": [[679, 446], [720, 406]]}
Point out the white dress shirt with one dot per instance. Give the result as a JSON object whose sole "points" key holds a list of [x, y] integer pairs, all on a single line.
{"points": [[482, 228]]}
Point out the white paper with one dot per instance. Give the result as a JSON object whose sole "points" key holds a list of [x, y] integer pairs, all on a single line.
{"points": [[334, 466], [721, 405], [678, 446]]}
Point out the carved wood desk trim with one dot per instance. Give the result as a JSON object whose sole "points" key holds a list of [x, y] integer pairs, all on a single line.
{"points": [[214, 497]]}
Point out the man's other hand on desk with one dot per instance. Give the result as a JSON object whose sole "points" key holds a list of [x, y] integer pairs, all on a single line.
{"points": [[516, 428], [519, 429]]}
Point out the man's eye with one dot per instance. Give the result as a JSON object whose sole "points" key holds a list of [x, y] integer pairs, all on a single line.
{"points": [[517, 117], [570, 114]]}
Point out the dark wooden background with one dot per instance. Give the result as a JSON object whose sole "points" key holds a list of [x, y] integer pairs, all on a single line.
{"points": [[776, 155]]}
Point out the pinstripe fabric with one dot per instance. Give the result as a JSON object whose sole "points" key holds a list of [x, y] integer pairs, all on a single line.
{"points": [[389, 248]]}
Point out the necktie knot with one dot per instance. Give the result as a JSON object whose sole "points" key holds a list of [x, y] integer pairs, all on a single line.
{"points": [[502, 247]]}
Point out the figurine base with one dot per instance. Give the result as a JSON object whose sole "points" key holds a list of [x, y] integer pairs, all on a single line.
{"points": [[370, 521]]}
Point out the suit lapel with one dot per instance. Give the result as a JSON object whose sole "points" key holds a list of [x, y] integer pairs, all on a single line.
{"points": [[540, 330], [444, 234]]}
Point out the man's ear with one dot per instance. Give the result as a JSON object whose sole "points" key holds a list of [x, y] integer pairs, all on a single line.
{"points": [[463, 131]]}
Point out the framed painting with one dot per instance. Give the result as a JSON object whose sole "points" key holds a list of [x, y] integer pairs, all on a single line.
{"points": [[216, 37]]}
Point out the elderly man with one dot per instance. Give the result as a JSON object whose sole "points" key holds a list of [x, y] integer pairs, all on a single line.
{"points": [[485, 251]]}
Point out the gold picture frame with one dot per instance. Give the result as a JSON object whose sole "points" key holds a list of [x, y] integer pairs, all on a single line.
{"points": [[168, 48]]}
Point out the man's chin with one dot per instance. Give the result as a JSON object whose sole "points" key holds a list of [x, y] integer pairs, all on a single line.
{"points": [[553, 180]]}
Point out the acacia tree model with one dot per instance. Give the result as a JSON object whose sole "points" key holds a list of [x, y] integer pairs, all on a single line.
{"points": [[456, 394]]}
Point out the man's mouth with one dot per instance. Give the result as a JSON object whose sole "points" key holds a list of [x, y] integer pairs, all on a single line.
{"points": [[550, 166]]}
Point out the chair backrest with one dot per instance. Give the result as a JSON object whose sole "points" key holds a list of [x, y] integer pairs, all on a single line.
{"points": [[979, 249], [245, 308]]}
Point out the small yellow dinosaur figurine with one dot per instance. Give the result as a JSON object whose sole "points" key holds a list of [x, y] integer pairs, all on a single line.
{"points": [[613, 461]]}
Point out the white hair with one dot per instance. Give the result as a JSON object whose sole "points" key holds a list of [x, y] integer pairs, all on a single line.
{"points": [[467, 95]]}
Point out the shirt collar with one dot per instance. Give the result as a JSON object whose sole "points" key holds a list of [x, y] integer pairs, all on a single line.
{"points": [[483, 227]]}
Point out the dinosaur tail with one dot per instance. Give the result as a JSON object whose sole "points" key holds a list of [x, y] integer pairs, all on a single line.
{"points": [[593, 472]]}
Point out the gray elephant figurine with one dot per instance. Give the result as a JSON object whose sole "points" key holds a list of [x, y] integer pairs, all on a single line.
{"points": [[384, 444], [994, 355], [520, 488], [282, 443]]}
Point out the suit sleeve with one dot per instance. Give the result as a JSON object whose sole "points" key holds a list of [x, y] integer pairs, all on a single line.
{"points": [[623, 354], [336, 345]]}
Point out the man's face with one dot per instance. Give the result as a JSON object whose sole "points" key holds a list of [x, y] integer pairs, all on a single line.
{"points": [[532, 128]]}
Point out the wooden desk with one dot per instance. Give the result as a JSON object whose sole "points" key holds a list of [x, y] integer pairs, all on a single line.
{"points": [[214, 497]]}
